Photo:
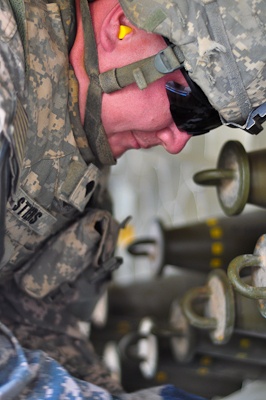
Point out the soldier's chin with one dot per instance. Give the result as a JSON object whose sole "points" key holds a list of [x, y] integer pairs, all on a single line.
{"points": [[121, 142]]}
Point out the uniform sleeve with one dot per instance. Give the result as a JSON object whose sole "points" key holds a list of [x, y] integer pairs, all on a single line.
{"points": [[33, 375], [12, 69], [12, 113]]}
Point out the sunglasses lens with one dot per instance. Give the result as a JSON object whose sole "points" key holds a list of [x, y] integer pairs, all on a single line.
{"points": [[191, 110]]}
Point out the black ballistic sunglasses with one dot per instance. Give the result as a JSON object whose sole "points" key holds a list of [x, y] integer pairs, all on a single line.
{"points": [[190, 108]]}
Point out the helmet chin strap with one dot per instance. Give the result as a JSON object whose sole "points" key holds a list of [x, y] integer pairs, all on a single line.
{"points": [[142, 72], [92, 123], [150, 69]]}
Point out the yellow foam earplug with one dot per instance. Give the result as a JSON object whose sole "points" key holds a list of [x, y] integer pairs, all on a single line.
{"points": [[123, 31]]}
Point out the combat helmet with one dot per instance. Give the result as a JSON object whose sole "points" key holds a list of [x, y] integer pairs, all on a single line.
{"points": [[220, 46]]}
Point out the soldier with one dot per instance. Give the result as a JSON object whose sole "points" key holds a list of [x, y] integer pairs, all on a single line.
{"points": [[59, 135]]}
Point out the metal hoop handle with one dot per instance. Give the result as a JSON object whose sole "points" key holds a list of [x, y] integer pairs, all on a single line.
{"points": [[234, 269], [196, 320]]}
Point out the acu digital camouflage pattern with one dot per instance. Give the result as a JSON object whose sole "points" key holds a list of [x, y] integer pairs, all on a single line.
{"points": [[60, 235], [34, 374], [191, 25], [59, 180]]}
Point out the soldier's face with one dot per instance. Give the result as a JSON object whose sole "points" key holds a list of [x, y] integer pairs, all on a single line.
{"points": [[135, 118]]}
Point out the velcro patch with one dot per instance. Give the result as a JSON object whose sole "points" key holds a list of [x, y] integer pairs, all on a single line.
{"points": [[28, 211]]}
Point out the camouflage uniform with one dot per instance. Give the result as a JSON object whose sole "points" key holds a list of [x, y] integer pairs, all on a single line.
{"points": [[60, 235]]}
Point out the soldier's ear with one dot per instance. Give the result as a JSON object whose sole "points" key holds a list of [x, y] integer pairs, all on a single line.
{"points": [[115, 27]]}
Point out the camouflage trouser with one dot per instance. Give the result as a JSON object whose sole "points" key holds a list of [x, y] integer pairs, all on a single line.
{"points": [[34, 375]]}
